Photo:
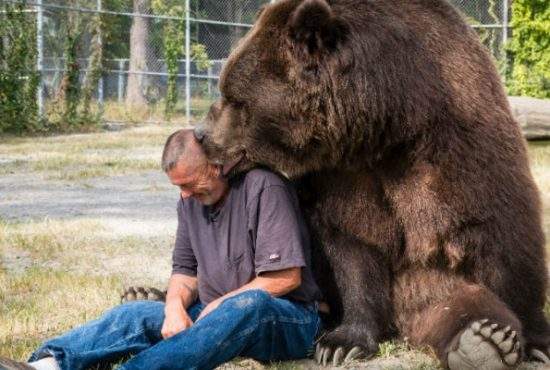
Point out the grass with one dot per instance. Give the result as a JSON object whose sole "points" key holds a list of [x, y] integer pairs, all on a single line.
{"points": [[62, 273], [82, 245], [40, 303], [114, 111], [56, 274], [85, 156]]}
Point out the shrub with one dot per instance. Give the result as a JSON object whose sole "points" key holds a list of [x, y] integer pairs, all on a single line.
{"points": [[18, 77], [529, 49]]}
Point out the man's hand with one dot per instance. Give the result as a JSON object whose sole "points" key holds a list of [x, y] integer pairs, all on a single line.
{"points": [[176, 320], [209, 308], [182, 291]]}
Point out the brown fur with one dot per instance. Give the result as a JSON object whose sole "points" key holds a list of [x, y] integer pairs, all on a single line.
{"points": [[413, 173]]}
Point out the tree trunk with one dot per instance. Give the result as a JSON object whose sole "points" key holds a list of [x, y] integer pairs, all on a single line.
{"points": [[139, 42], [236, 15]]}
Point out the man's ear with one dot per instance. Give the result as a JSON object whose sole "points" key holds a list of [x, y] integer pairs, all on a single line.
{"points": [[314, 29]]}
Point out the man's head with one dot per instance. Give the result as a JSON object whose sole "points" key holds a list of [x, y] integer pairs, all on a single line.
{"points": [[186, 165]]}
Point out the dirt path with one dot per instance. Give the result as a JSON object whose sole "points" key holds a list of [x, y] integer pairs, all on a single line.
{"points": [[137, 204]]}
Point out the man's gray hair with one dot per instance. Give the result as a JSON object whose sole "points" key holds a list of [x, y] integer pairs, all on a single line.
{"points": [[174, 147]]}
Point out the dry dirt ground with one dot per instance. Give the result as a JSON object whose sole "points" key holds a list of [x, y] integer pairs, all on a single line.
{"points": [[83, 215]]}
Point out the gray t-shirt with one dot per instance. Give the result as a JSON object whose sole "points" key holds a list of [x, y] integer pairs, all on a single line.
{"points": [[258, 228]]}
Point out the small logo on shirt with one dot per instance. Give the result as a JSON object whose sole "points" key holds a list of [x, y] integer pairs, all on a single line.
{"points": [[274, 257]]}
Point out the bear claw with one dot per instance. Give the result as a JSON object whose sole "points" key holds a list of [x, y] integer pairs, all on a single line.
{"points": [[323, 355], [354, 353], [539, 355], [485, 346], [140, 293], [338, 355]]}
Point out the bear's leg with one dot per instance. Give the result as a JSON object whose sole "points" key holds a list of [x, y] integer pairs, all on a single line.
{"points": [[355, 280], [468, 326], [521, 283]]}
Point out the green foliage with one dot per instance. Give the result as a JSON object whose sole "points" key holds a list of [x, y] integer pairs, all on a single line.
{"points": [[173, 40], [18, 78], [70, 85], [95, 67], [198, 51], [173, 50], [529, 49], [71, 108]]}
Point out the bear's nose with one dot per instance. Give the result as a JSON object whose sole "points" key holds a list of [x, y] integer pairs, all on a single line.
{"points": [[200, 132]]}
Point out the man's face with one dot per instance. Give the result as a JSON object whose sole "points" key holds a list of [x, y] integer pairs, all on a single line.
{"points": [[201, 181]]}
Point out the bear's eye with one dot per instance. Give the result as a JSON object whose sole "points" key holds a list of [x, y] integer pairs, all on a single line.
{"points": [[236, 104]]}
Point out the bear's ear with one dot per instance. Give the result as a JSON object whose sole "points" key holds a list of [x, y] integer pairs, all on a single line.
{"points": [[314, 28]]}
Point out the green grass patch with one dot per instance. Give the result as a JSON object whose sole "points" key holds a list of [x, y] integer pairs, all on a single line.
{"points": [[120, 112], [57, 240], [78, 157], [72, 271], [392, 348], [82, 245], [41, 303]]}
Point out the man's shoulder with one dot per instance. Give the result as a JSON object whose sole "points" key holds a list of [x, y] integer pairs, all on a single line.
{"points": [[258, 179]]}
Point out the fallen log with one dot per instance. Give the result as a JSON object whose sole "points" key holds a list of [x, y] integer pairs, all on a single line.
{"points": [[533, 115]]}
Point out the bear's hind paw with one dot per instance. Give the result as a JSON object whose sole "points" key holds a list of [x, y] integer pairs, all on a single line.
{"points": [[486, 346]]}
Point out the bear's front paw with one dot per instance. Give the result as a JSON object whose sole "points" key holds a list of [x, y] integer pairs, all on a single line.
{"points": [[345, 343], [140, 293]]}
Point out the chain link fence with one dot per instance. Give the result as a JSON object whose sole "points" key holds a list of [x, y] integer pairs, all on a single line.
{"points": [[158, 60], [490, 18]]}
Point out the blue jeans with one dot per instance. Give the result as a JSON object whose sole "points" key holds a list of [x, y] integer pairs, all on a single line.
{"points": [[251, 324]]}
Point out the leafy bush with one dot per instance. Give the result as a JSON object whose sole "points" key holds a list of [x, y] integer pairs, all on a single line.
{"points": [[173, 39], [18, 77], [529, 49], [70, 108]]}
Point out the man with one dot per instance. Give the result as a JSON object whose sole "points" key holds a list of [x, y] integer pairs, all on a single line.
{"points": [[242, 249]]}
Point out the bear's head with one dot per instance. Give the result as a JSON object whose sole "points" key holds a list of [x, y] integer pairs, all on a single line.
{"points": [[316, 84], [270, 89]]}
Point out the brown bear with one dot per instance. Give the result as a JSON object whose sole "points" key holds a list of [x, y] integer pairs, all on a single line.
{"points": [[414, 176]]}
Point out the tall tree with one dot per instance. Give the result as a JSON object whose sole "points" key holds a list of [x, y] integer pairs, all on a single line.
{"points": [[139, 42]]}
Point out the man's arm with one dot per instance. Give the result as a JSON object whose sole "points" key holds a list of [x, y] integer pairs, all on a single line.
{"points": [[182, 292], [182, 286], [276, 283]]}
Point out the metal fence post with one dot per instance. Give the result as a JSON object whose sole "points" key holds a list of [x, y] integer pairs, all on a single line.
{"points": [[120, 87], [187, 62], [504, 21], [504, 38], [40, 57], [100, 42]]}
